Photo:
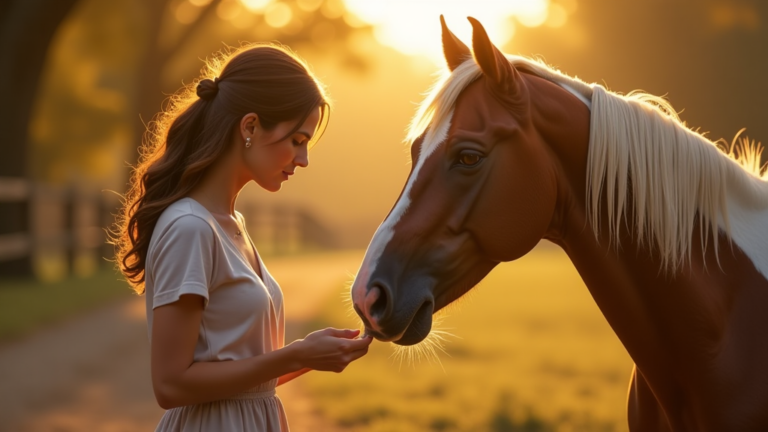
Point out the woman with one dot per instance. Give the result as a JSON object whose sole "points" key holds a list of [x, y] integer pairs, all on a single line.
{"points": [[215, 314]]}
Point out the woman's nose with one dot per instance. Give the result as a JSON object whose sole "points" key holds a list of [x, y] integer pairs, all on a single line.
{"points": [[302, 158]]}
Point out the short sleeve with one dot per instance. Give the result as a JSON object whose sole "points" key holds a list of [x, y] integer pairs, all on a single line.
{"points": [[182, 260]]}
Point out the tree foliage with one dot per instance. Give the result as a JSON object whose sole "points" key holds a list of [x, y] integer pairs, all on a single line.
{"points": [[113, 64]]}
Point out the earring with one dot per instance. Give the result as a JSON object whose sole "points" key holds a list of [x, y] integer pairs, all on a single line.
{"points": [[248, 142]]}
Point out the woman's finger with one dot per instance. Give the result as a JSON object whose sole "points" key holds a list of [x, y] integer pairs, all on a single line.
{"points": [[343, 333], [357, 344]]}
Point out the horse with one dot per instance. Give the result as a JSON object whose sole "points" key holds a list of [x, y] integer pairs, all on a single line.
{"points": [[668, 231]]}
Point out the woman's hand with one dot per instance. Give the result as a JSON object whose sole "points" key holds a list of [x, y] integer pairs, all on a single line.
{"points": [[331, 349]]}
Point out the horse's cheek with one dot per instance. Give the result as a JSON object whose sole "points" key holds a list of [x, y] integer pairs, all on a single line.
{"points": [[517, 211]]}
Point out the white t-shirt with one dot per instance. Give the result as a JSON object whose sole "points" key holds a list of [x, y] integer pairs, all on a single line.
{"points": [[189, 253]]}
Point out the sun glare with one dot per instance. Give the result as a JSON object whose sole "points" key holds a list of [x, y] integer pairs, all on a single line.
{"points": [[413, 27], [255, 5], [409, 26]]}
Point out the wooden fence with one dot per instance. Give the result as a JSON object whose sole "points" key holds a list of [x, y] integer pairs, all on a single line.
{"points": [[285, 229], [51, 231]]}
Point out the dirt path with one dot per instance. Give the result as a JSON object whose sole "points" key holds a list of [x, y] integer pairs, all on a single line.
{"points": [[92, 373]]}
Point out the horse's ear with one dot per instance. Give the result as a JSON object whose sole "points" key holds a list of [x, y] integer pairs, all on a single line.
{"points": [[454, 49], [493, 63]]}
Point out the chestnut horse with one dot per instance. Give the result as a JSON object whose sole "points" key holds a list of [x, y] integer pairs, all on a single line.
{"points": [[668, 232]]}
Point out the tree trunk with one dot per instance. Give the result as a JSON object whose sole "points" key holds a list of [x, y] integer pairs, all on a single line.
{"points": [[26, 30]]}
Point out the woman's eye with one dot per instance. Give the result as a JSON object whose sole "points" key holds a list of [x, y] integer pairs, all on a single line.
{"points": [[469, 159]]}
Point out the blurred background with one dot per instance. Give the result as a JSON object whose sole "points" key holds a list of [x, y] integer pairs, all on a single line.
{"points": [[81, 78]]}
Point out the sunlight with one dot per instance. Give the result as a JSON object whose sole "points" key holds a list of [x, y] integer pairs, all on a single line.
{"points": [[278, 15], [255, 5], [413, 27]]}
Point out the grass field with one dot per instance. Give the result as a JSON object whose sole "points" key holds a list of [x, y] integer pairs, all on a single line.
{"points": [[27, 304], [531, 352]]}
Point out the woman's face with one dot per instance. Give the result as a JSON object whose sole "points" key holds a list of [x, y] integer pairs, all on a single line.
{"points": [[271, 162]]}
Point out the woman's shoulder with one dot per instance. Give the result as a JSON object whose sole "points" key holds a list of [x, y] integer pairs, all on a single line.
{"points": [[185, 216]]}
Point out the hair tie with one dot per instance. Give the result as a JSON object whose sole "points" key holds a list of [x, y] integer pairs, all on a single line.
{"points": [[208, 88]]}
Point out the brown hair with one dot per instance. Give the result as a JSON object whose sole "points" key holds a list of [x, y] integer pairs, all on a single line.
{"points": [[197, 127]]}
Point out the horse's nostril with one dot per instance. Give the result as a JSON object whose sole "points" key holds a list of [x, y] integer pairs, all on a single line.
{"points": [[379, 306]]}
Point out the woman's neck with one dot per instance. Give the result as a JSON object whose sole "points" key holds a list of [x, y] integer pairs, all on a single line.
{"points": [[217, 191]]}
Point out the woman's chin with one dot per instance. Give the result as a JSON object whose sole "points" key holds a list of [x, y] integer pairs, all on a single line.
{"points": [[271, 187]]}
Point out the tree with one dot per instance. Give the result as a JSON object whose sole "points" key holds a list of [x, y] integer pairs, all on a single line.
{"points": [[26, 30]]}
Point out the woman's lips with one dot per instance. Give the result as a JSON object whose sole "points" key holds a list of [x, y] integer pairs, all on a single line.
{"points": [[286, 175]]}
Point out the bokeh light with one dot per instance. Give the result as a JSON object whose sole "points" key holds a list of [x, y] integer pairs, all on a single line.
{"points": [[557, 16], [333, 9], [255, 5], [229, 9], [308, 5], [278, 15], [412, 26], [187, 12]]}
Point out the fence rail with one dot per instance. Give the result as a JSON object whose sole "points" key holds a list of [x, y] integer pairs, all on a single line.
{"points": [[13, 189], [49, 231], [14, 246]]}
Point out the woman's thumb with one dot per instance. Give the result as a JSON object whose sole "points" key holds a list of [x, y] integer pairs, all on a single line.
{"points": [[344, 333]]}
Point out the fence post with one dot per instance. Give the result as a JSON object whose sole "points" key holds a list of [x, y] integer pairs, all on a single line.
{"points": [[87, 232], [15, 236], [314, 234], [284, 229], [69, 206], [108, 208]]}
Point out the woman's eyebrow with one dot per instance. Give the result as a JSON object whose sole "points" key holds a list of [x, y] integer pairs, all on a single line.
{"points": [[306, 134]]}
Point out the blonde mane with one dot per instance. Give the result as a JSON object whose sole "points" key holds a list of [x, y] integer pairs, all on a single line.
{"points": [[639, 150]]}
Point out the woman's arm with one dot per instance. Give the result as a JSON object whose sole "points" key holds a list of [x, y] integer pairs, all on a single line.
{"points": [[178, 380], [292, 376]]}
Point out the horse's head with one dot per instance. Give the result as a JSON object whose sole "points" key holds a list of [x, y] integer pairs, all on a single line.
{"points": [[482, 190]]}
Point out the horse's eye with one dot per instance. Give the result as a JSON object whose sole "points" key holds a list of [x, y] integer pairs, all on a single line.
{"points": [[469, 159]]}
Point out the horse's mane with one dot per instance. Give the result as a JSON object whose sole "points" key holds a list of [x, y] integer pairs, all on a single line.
{"points": [[639, 150]]}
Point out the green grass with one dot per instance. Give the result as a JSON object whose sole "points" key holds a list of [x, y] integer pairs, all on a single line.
{"points": [[27, 305], [531, 352]]}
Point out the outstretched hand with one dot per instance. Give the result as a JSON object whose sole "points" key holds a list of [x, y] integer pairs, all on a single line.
{"points": [[331, 349]]}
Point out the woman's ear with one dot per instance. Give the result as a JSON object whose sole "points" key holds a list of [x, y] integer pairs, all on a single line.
{"points": [[249, 124]]}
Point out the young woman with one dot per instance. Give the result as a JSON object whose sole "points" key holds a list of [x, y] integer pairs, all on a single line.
{"points": [[215, 314]]}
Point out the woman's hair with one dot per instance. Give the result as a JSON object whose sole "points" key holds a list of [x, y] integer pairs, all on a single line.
{"points": [[197, 127]]}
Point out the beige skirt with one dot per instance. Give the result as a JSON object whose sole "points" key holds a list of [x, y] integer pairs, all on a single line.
{"points": [[250, 411]]}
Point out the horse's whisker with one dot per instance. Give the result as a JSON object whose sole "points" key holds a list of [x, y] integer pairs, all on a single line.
{"points": [[427, 350]]}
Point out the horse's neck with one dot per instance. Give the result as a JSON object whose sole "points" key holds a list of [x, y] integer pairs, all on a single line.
{"points": [[676, 326], [633, 291], [695, 334], [640, 300]]}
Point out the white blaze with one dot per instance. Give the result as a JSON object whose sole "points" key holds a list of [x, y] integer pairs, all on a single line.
{"points": [[433, 139]]}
